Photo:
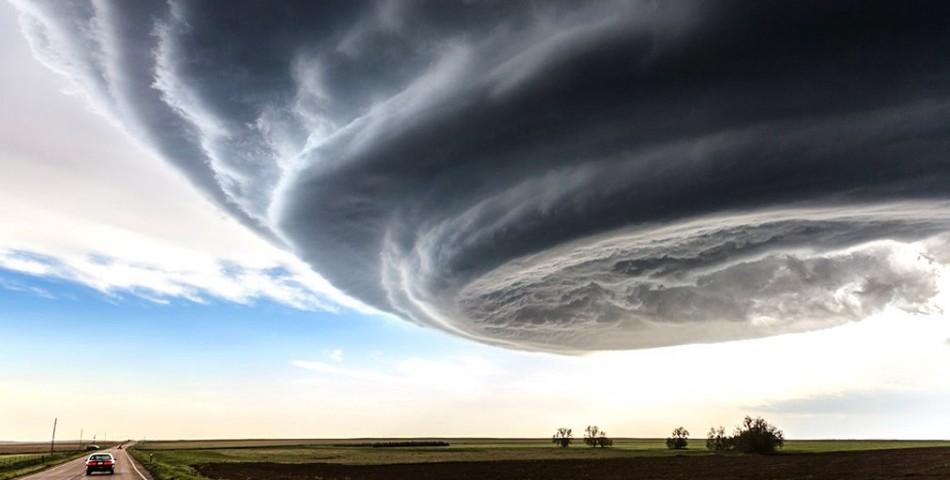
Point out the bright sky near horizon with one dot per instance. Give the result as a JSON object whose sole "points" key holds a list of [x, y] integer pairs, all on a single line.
{"points": [[412, 222]]}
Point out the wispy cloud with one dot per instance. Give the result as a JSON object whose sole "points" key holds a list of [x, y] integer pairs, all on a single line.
{"points": [[456, 375], [357, 374], [16, 286], [155, 282]]}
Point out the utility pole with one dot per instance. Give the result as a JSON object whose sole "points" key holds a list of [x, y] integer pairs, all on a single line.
{"points": [[80, 438], [52, 442]]}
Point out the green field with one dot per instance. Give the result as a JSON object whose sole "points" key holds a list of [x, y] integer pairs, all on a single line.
{"points": [[817, 446], [172, 459]]}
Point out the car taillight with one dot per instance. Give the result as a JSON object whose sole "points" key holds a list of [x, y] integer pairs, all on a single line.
{"points": [[107, 462], [90, 463]]}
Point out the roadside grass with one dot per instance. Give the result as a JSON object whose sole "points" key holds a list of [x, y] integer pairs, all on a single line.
{"points": [[166, 465], [20, 464]]}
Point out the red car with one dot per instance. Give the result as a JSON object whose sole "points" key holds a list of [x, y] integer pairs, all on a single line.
{"points": [[100, 462]]}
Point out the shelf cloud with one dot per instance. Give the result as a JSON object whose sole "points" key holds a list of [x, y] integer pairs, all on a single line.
{"points": [[557, 176]]}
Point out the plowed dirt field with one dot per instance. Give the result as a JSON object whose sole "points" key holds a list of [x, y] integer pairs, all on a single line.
{"points": [[918, 463]]}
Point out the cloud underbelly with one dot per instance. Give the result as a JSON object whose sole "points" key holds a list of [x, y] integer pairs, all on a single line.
{"points": [[710, 279]]}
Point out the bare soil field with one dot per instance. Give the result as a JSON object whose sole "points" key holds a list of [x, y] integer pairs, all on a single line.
{"points": [[920, 463], [44, 447], [20, 448]]}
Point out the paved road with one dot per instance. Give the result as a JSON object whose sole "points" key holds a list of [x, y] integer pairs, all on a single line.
{"points": [[125, 469]]}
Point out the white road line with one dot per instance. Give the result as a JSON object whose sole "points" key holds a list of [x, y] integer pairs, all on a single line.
{"points": [[59, 467], [132, 463]]}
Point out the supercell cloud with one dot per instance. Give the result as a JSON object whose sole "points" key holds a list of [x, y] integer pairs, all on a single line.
{"points": [[561, 176]]}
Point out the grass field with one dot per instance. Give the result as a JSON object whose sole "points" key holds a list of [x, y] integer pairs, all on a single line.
{"points": [[818, 446], [351, 448], [173, 459]]}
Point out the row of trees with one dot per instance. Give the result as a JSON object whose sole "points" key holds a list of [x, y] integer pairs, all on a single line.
{"points": [[593, 437], [755, 435]]}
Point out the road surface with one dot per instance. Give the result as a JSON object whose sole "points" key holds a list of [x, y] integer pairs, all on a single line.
{"points": [[125, 469]]}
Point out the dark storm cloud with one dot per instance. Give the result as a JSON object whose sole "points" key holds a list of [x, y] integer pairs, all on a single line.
{"points": [[555, 175]]}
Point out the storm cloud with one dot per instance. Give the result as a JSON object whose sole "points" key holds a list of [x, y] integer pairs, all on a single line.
{"points": [[560, 176]]}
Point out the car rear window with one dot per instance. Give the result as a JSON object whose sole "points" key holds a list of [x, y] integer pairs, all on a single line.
{"points": [[101, 457]]}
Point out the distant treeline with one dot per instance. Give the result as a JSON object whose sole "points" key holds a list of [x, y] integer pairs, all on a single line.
{"points": [[396, 444]]}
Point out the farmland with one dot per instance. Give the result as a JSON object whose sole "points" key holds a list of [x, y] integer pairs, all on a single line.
{"points": [[18, 459], [536, 458]]}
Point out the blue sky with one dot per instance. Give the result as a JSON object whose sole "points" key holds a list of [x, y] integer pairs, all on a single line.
{"points": [[136, 368], [417, 243]]}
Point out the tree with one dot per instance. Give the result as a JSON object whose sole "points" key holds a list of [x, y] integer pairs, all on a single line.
{"points": [[717, 440], [678, 439], [757, 436], [595, 437], [563, 437], [590, 435]]}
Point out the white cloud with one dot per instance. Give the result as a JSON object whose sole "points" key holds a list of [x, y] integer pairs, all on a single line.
{"points": [[157, 282], [81, 201]]}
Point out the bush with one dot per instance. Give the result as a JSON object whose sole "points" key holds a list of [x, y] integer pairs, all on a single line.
{"points": [[678, 440], [595, 437], [563, 437], [717, 440], [757, 436]]}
